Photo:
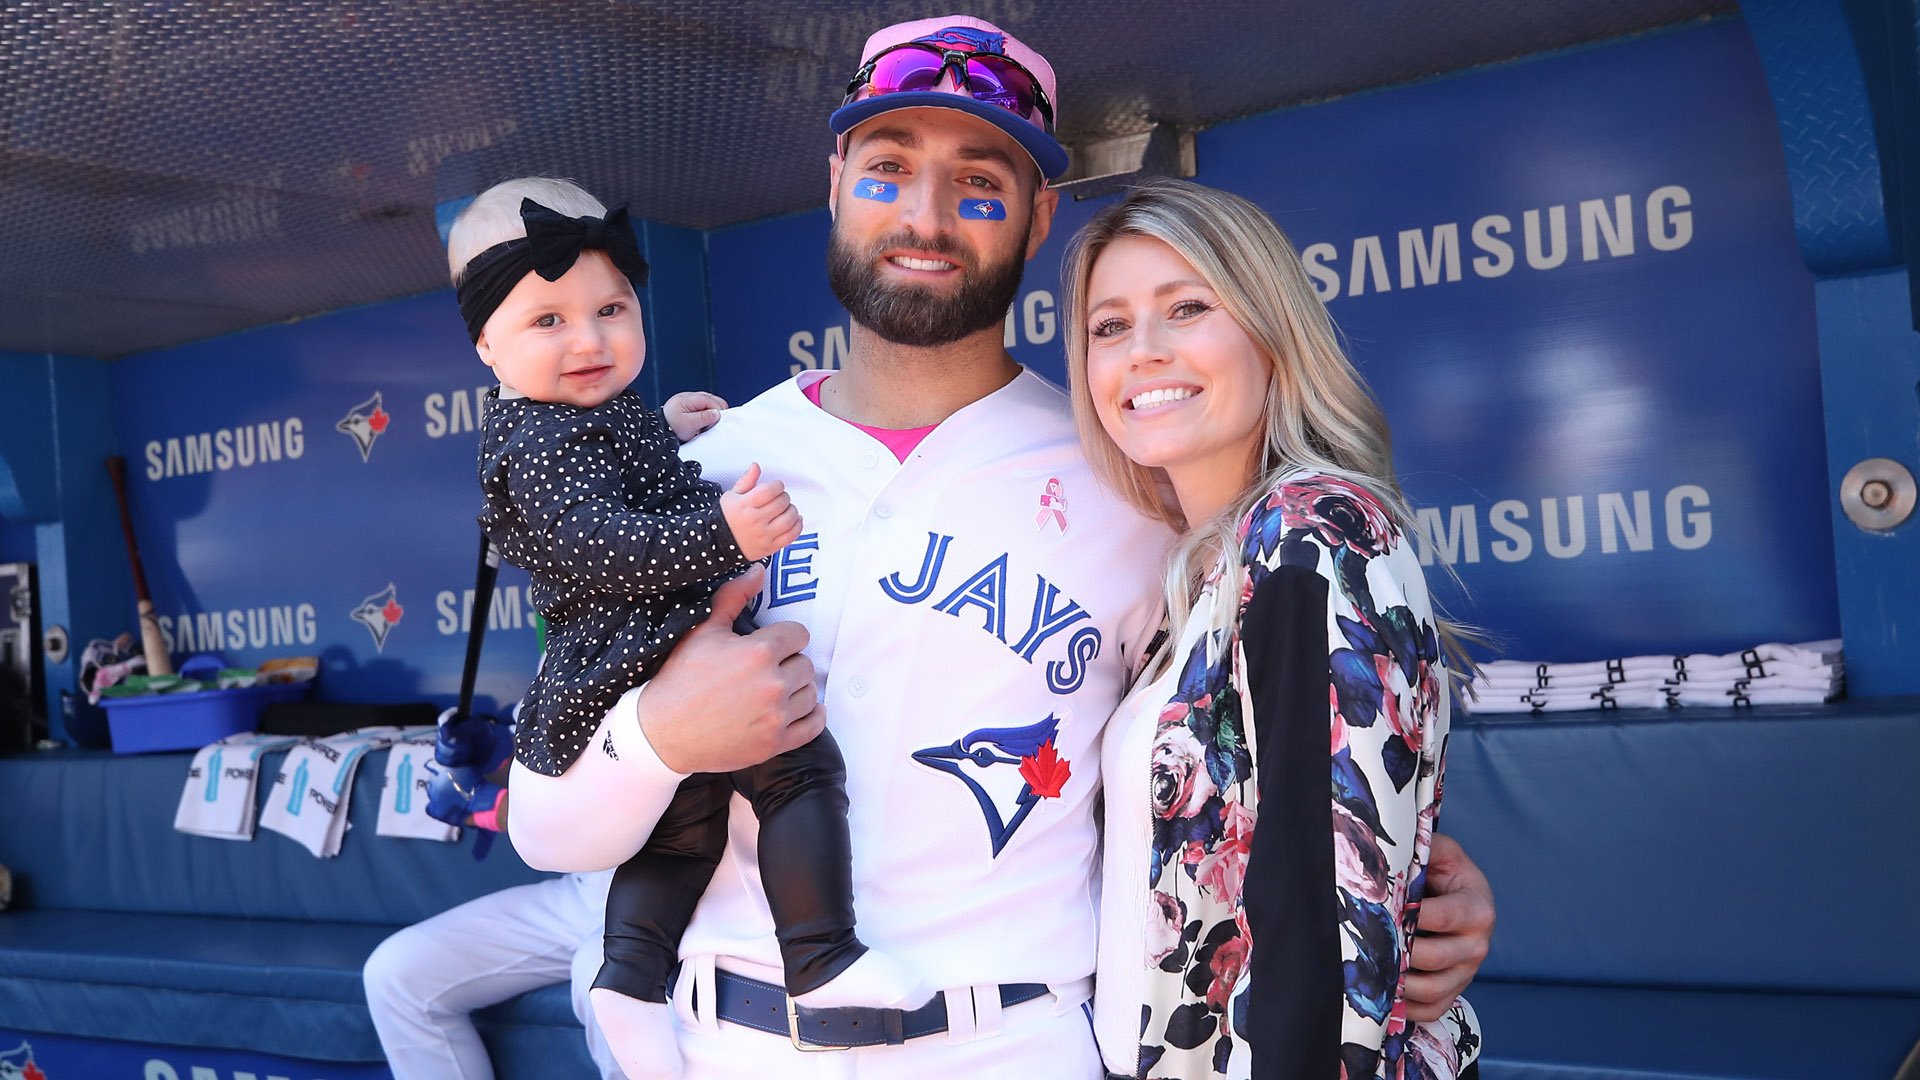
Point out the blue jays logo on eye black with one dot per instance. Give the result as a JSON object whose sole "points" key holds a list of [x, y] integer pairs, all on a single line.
{"points": [[971, 40], [972, 760], [877, 190], [983, 209]]}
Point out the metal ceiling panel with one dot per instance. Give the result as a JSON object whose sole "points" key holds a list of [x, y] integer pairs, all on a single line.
{"points": [[171, 171]]}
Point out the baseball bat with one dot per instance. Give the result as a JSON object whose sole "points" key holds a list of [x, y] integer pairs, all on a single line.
{"points": [[151, 643], [483, 579]]}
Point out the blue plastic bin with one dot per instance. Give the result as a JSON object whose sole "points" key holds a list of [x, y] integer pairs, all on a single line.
{"points": [[153, 722]]}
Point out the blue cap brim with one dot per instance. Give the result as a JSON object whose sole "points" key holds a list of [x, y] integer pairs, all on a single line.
{"points": [[1045, 149]]}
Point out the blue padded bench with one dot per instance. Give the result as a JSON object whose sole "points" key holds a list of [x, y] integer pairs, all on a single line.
{"points": [[124, 929], [1696, 894], [1682, 896]]}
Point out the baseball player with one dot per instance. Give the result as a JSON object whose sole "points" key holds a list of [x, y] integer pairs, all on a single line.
{"points": [[971, 600], [424, 983]]}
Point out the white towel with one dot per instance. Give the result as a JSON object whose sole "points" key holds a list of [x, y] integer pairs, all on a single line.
{"points": [[310, 797], [1773, 673], [1570, 701], [1588, 673], [218, 800], [1771, 690], [1771, 659], [1570, 686], [403, 801]]}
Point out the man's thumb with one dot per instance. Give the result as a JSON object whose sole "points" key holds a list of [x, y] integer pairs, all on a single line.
{"points": [[731, 598]]}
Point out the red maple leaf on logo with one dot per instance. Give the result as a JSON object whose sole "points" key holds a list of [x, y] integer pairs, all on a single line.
{"points": [[32, 1072], [392, 612], [378, 421], [1046, 771]]}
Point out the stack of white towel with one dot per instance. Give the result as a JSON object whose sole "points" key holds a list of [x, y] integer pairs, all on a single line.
{"points": [[218, 800], [1771, 674], [309, 798]]}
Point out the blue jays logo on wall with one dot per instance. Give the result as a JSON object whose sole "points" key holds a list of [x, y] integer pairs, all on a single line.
{"points": [[407, 384], [974, 760], [379, 613], [365, 423], [972, 40], [17, 1064]]}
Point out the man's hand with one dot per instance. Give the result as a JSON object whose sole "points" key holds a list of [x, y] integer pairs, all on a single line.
{"points": [[722, 701], [1455, 929], [693, 412], [760, 514]]}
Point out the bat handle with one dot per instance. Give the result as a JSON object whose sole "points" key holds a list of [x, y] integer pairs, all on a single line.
{"points": [[488, 572], [152, 644]]}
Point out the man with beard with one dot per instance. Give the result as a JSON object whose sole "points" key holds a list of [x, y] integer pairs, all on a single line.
{"points": [[977, 597]]}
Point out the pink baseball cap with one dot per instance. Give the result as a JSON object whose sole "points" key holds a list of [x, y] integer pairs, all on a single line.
{"points": [[1025, 112]]}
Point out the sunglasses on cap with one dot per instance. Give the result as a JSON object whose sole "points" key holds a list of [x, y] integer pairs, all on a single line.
{"points": [[986, 77]]}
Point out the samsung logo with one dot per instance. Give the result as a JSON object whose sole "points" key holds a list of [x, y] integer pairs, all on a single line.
{"points": [[510, 609], [157, 1069], [455, 411], [1542, 239], [240, 628], [227, 448], [1566, 528]]}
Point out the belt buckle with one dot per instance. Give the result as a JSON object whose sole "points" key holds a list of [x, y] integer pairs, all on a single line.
{"points": [[793, 1033]]}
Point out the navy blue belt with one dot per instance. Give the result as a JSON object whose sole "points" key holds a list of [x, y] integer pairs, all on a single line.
{"points": [[766, 1007]]}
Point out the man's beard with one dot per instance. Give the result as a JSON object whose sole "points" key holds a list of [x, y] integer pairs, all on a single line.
{"points": [[913, 315]]}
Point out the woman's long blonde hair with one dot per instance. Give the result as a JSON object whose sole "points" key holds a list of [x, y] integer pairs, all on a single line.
{"points": [[1319, 414]]}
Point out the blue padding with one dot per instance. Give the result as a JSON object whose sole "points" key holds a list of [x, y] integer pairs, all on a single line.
{"points": [[323, 1030], [1536, 1032], [317, 961], [288, 988], [95, 831], [1753, 850]]}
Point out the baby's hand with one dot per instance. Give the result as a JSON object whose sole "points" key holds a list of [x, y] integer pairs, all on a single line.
{"points": [[761, 516], [691, 413]]}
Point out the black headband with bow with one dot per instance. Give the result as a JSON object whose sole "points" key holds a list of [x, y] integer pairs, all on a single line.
{"points": [[552, 244]]}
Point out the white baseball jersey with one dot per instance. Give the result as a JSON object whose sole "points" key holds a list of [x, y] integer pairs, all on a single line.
{"points": [[973, 613]]}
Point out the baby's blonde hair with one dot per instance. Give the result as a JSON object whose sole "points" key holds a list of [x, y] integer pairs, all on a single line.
{"points": [[494, 215]]}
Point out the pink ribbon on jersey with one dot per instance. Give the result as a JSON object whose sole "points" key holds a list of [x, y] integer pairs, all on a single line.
{"points": [[1052, 504]]}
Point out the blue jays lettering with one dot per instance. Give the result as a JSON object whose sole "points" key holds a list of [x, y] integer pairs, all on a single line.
{"points": [[986, 592]]}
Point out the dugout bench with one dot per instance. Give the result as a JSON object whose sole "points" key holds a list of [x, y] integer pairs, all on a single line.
{"points": [[1682, 896], [123, 928]]}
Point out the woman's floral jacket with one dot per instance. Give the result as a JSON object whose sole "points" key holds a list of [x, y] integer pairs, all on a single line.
{"points": [[1296, 774]]}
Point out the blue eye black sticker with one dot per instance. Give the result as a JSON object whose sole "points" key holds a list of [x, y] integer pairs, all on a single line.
{"points": [[983, 209], [877, 190]]}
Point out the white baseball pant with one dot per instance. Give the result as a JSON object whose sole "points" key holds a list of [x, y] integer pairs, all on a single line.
{"points": [[424, 982]]}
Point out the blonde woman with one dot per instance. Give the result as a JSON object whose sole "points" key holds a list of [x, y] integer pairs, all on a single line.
{"points": [[1273, 780]]}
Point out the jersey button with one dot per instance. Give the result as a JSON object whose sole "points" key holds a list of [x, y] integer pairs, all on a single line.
{"points": [[857, 688], [883, 511], [869, 459]]}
